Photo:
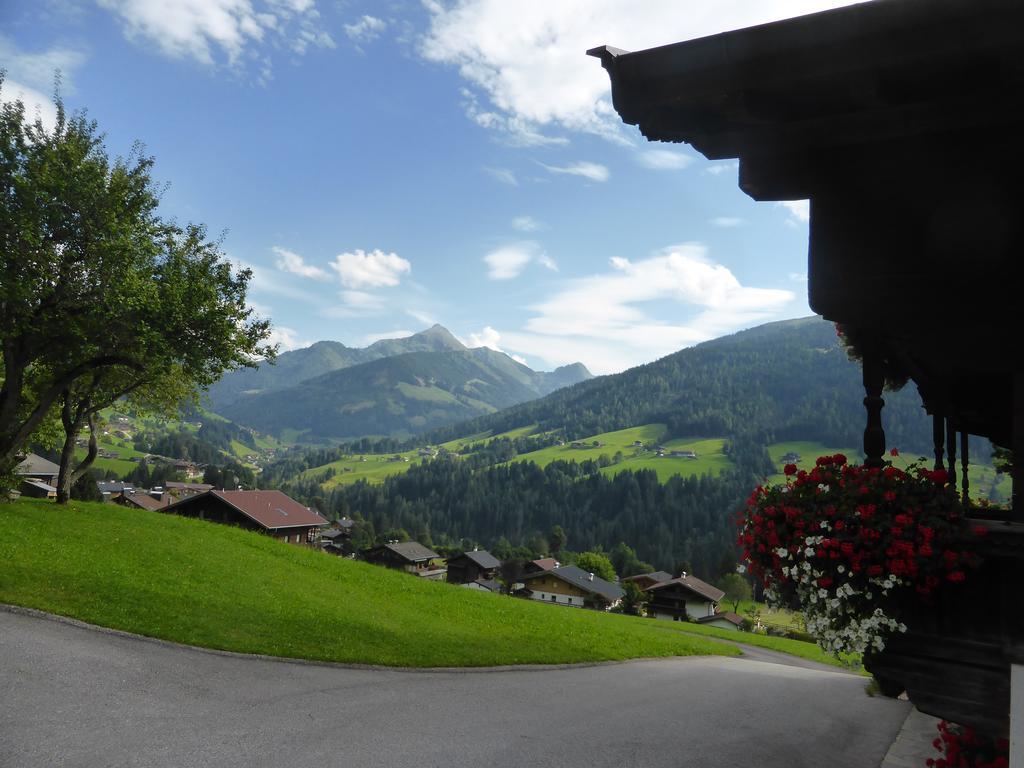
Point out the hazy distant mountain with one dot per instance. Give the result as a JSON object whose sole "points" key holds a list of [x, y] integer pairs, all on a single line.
{"points": [[400, 395], [300, 365]]}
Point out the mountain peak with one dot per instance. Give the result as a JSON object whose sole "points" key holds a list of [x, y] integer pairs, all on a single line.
{"points": [[441, 336]]}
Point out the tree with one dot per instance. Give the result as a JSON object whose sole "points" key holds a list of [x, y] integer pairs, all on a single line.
{"points": [[626, 563], [736, 589], [596, 563], [99, 297], [557, 539], [634, 601]]}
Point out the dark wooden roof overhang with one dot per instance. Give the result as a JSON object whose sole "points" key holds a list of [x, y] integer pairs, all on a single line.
{"points": [[901, 121]]}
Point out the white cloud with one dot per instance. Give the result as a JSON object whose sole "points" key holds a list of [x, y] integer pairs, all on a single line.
{"points": [[267, 281], [726, 222], [526, 58], [36, 104], [604, 319], [798, 277], [376, 269], [30, 77], [370, 338], [664, 160], [504, 175], [37, 69], [588, 170], [489, 338], [526, 224], [287, 339], [799, 210], [547, 262], [289, 261], [717, 169], [366, 29], [508, 261], [233, 29]]}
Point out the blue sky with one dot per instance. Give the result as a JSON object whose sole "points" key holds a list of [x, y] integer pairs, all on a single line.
{"points": [[384, 166]]}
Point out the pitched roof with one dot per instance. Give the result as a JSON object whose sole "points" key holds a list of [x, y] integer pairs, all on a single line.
{"points": [[114, 486], [546, 563], [270, 509], [489, 584], [695, 585], [37, 465], [732, 618], [145, 501], [176, 485], [481, 557], [571, 574], [656, 576], [40, 485], [412, 551]]}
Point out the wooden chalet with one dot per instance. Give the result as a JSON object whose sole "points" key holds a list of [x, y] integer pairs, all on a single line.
{"points": [[38, 477], [645, 580], [685, 598], [471, 566], [723, 620], [409, 556], [571, 586], [141, 499], [901, 122], [270, 512]]}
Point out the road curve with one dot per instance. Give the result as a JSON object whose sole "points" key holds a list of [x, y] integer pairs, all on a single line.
{"points": [[73, 696]]}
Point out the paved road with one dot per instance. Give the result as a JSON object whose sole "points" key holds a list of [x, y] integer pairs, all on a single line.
{"points": [[72, 696]]}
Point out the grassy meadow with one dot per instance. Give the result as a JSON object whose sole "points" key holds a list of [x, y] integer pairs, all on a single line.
{"points": [[220, 587]]}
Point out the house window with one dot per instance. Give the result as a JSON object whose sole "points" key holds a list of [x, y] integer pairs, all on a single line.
{"points": [[552, 598], [570, 601]]}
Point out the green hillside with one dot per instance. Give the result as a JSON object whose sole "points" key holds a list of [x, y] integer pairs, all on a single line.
{"points": [[412, 384], [220, 587], [789, 380], [395, 396]]}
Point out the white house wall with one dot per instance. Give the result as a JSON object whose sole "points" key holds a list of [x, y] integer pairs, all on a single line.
{"points": [[546, 597]]}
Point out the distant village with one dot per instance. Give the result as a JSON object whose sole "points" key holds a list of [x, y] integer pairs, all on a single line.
{"points": [[680, 597]]}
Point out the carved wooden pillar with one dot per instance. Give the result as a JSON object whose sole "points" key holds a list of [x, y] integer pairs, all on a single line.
{"points": [[939, 439], [1017, 403], [951, 450], [965, 483], [874, 435]]}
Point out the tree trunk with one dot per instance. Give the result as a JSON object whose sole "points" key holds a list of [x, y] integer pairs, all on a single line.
{"points": [[73, 418]]}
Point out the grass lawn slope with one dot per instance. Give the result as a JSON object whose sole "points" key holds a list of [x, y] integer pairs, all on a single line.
{"points": [[221, 587]]}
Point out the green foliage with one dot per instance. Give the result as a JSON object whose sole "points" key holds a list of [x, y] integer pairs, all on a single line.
{"points": [[85, 489], [216, 586], [736, 589], [634, 601], [596, 563], [682, 519], [626, 563], [101, 298]]}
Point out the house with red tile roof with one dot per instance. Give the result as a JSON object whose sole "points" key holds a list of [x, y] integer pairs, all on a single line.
{"points": [[271, 512]]}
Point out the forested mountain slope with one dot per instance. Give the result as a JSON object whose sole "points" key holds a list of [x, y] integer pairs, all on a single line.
{"points": [[781, 381]]}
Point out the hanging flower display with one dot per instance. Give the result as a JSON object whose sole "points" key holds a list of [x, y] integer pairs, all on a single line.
{"points": [[963, 747], [843, 542]]}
